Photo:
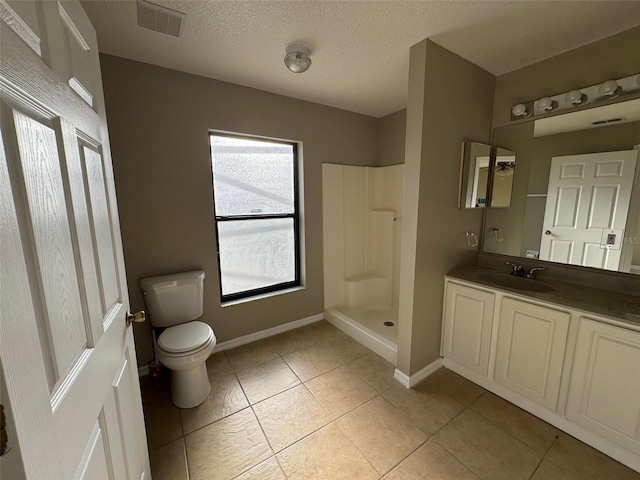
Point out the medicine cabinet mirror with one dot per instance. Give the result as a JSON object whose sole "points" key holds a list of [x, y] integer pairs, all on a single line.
{"points": [[474, 175]]}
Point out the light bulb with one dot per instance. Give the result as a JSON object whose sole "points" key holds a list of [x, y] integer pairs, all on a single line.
{"points": [[546, 104], [520, 110], [575, 97], [608, 88]]}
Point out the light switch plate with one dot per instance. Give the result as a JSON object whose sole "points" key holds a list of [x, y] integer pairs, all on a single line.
{"points": [[612, 238]]}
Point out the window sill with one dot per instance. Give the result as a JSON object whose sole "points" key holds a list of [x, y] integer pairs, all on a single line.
{"points": [[230, 303]]}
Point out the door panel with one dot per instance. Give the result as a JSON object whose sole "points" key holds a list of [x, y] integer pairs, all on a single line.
{"points": [[566, 213], [93, 463], [101, 228], [49, 234], [68, 357]]}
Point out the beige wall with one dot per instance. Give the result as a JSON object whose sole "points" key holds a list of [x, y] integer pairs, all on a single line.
{"points": [[613, 57], [391, 138], [159, 121], [441, 85]]}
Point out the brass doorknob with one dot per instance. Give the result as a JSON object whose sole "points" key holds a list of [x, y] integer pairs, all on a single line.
{"points": [[548, 232], [137, 317]]}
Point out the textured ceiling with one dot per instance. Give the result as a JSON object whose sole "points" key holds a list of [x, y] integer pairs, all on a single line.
{"points": [[359, 49]]}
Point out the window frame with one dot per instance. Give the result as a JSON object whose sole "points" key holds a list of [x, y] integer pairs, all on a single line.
{"points": [[295, 216]]}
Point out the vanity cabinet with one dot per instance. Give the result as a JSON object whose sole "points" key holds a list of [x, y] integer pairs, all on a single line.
{"points": [[468, 317], [576, 370], [604, 395], [530, 350]]}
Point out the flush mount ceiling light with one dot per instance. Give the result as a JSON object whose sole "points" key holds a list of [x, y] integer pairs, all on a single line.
{"points": [[297, 58]]}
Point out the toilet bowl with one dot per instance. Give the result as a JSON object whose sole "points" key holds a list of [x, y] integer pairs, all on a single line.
{"points": [[174, 303], [184, 349]]}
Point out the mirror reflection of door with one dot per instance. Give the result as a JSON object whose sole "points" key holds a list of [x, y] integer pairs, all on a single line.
{"points": [[587, 207], [503, 174], [474, 173], [480, 182]]}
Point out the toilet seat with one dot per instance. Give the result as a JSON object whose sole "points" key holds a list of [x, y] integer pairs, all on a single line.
{"points": [[185, 339]]}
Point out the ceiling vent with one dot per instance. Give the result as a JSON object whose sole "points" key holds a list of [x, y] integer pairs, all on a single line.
{"points": [[160, 19]]}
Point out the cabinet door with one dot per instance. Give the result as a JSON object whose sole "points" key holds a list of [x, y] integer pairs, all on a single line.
{"points": [[604, 395], [468, 314], [530, 353]]}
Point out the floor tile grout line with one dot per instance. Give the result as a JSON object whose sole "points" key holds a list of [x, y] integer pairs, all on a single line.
{"points": [[468, 467], [544, 457], [468, 408], [301, 438], [407, 456], [509, 433], [356, 447]]}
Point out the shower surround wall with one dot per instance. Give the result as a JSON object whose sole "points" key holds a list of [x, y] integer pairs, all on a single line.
{"points": [[362, 224]]}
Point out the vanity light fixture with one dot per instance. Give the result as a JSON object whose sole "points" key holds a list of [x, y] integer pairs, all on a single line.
{"points": [[520, 110], [605, 91], [575, 98], [546, 104], [297, 58], [610, 88]]}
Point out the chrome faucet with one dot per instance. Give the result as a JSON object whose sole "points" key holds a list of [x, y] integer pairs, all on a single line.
{"points": [[517, 270], [532, 272], [520, 271]]}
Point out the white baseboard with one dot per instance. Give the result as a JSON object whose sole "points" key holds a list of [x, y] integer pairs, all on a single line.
{"points": [[410, 381], [269, 332], [252, 337]]}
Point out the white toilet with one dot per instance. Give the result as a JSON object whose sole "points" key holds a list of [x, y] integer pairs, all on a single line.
{"points": [[174, 301]]}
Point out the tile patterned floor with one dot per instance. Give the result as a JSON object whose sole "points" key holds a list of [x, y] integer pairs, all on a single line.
{"points": [[312, 403]]}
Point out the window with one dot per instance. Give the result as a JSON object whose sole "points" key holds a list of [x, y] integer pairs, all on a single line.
{"points": [[255, 185]]}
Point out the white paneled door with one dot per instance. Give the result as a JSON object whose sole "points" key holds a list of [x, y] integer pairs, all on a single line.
{"points": [[587, 195], [67, 354]]}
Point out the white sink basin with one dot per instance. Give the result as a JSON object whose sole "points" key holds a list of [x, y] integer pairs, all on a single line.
{"points": [[517, 283]]}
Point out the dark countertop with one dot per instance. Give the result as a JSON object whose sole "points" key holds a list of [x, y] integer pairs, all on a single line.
{"points": [[618, 306]]}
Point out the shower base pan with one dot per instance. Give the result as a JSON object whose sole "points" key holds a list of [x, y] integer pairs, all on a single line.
{"points": [[369, 327]]}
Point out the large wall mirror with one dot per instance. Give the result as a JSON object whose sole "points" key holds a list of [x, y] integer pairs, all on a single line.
{"points": [[576, 192]]}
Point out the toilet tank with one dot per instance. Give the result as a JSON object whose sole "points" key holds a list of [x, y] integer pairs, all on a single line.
{"points": [[174, 299]]}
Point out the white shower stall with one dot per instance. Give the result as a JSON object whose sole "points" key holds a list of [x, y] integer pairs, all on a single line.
{"points": [[362, 227]]}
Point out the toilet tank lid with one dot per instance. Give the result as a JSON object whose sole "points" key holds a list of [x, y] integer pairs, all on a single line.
{"points": [[175, 279]]}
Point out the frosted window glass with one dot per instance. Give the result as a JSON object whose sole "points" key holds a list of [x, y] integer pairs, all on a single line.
{"points": [[252, 176], [256, 253]]}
